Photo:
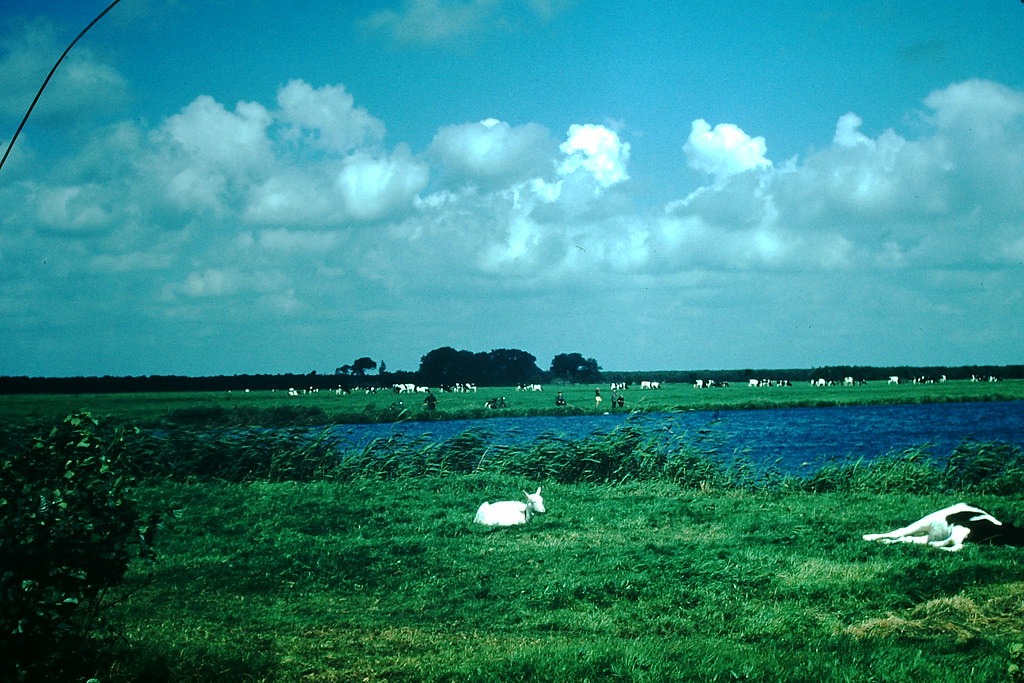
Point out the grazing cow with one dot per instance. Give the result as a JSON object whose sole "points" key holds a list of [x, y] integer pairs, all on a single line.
{"points": [[510, 512], [894, 379], [951, 527]]}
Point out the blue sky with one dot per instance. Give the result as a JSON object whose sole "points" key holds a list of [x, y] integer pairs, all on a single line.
{"points": [[262, 187]]}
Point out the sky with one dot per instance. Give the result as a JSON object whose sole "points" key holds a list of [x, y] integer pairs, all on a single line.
{"points": [[217, 188]]}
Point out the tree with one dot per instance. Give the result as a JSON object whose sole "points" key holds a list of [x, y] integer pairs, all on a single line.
{"points": [[502, 367], [358, 368], [361, 365], [446, 366], [573, 367]]}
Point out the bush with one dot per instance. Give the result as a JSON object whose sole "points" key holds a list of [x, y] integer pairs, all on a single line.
{"points": [[67, 529]]}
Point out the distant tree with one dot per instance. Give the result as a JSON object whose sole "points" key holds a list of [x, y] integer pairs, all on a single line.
{"points": [[573, 367], [445, 365], [361, 365], [503, 367], [358, 367]]}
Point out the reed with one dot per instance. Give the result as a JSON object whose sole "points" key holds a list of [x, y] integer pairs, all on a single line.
{"points": [[633, 451]]}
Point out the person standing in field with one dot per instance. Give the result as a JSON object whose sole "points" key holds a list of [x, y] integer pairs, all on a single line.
{"points": [[559, 400]]}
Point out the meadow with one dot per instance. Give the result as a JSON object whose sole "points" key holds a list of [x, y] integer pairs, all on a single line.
{"points": [[390, 581], [278, 408], [654, 562]]}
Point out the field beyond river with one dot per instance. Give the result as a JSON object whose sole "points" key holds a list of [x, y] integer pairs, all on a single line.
{"points": [[276, 560], [314, 408]]}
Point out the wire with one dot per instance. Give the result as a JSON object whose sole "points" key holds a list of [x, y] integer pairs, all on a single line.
{"points": [[50, 75]]}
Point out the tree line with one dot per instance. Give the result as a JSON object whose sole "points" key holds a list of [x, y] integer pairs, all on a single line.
{"points": [[498, 367], [443, 366]]}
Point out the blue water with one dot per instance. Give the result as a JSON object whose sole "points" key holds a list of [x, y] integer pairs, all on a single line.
{"points": [[796, 440]]}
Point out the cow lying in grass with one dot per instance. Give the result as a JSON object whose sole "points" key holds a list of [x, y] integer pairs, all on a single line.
{"points": [[951, 527], [510, 512]]}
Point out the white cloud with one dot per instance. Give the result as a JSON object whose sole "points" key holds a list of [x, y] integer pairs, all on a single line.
{"points": [[598, 151], [294, 196], [326, 117], [981, 109], [724, 150], [447, 21], [213, 136], [82, 85], [73, 208], [265, 209], [493, 152], [848, 133], [374, 187]]}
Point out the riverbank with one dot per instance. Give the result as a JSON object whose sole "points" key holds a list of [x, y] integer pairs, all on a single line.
{"points": [[391, 581], [269, 559]]}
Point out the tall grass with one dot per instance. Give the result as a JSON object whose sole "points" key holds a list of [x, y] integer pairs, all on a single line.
{"points": [[633, 451]]}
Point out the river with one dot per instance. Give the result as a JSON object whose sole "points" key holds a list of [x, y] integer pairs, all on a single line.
{"points": [[796, 440]]}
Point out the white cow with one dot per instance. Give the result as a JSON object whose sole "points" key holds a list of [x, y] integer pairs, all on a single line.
{"points": [[510, 512], [951, 527]]}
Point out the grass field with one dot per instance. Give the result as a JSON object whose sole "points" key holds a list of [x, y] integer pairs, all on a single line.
{"points": [[323, 407], [280, 564], [390, 581]]}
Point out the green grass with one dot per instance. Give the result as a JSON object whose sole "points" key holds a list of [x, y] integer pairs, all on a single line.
{"points": [[378, 581], [278, 408], [652, 563]]}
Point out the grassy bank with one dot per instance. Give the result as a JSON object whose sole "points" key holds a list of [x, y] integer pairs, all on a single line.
{"points": [[655, 561], [278, 408], [375, 581]]}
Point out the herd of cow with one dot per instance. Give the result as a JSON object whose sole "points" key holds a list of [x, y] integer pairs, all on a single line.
{"points": [[459, 387]]}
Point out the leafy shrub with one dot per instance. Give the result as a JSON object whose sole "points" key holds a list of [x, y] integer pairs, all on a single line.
{"points": [[67, 531]]}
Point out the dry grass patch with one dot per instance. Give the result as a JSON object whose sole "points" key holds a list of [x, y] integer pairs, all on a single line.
{"points": [[960, 617]]}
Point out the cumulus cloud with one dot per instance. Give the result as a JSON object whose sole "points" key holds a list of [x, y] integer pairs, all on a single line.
{"points": [[943, 198], [268, 165], [492, 152], [848, 133], [213, 136], [373, 187], [598, 151], [301, 207], [327, 117], [724, 150]]}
